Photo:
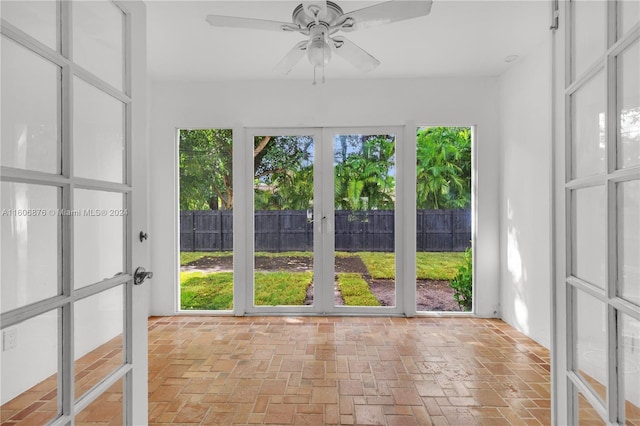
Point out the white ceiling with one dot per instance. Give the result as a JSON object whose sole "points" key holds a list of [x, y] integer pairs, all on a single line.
{"points": [[458, 38]]}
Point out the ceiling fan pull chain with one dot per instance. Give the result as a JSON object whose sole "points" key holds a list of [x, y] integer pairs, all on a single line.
{"points": [[314, 76]]}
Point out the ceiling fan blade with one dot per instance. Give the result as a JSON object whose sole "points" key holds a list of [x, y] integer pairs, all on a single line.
{"points": [[258, 24], [311, 7], [292, 58], [354, 54], [384, 13]]}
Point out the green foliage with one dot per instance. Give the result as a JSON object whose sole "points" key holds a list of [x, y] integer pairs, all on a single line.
{"points": [[206, 291], [281, 288], [283, 172], [462, 283], [443, 168], [365, 172], [205, 157], [355, 291]]}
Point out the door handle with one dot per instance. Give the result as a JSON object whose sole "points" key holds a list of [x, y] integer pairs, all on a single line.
{"points": [[140, 275]]}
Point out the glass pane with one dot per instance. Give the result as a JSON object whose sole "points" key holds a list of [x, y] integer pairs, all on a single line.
{"points": [[29, 394], [629, 241], [587, 415], [588, 132], [365, 189], [628, 15], [588, 242], [629, 329], [589, 34], [590, 357], [36, 18], [98, 236], [629, 106], [206, 219], [98, 39], [283, 202], [443, 224], [107, 409], [98, 345], [30, 132], [98, 134], [30, 243]]}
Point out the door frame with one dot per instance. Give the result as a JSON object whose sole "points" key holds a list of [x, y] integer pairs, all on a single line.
{"points": [[400, 243], [244, 224], [567, 382], [133, 369], [324, 239]]}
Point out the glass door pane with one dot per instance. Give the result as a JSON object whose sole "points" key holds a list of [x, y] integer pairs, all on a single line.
{"points": [[364, 226], [98, 338], [283, 189], [31, 397], [206, 219], [98, 40], [444, 271], [30, 97]]}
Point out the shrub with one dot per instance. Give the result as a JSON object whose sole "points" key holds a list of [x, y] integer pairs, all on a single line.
{"points": [[462, 283]]}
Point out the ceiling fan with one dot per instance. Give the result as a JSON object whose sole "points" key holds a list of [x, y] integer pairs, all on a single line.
{"points": [[320, 20]]}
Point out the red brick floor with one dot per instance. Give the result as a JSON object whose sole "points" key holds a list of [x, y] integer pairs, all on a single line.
{"points": [[324, 371], [345, 370]]}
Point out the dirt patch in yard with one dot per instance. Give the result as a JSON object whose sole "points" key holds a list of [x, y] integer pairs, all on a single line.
{"points": [[266, 263], [431, 295]]}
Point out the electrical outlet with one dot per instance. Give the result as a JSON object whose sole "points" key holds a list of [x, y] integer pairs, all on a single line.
{"points": [[9, 339]]}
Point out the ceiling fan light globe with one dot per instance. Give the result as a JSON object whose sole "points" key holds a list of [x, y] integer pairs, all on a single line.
{"points": [[319, 53]]}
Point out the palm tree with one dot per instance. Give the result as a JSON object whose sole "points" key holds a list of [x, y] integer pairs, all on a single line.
{"points": [[365, 179], [443, 168]]}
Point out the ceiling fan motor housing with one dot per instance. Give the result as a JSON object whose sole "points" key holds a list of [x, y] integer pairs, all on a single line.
{"points": [[301, 18]]}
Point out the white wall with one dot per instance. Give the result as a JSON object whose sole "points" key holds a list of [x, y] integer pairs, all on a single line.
{"points": [[446, 101], [525, 230]]}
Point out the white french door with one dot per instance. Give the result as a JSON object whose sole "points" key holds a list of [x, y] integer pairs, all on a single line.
{"points": [[73, 126], [333, 228], [596, 374], [362, 220]]}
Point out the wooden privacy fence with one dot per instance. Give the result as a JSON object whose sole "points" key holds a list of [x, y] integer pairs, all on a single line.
{"points": [[289, 230]]}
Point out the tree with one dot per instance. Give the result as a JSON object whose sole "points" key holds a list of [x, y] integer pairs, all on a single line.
{"points": [[206, 169], [206, 178], [443, 168], [365, 172], [283, 172]]}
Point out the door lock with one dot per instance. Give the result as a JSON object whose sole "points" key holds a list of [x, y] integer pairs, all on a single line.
{"points": [[140, 275]]}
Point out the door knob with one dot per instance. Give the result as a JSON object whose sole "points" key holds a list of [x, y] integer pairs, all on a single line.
{"points": [[140, 275]]}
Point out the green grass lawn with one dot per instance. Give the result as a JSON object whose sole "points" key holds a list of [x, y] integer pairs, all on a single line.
{"points": [[429, 265], [214, 291], [187, 257], [355, 290], [438, 265], [281, 288]]}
